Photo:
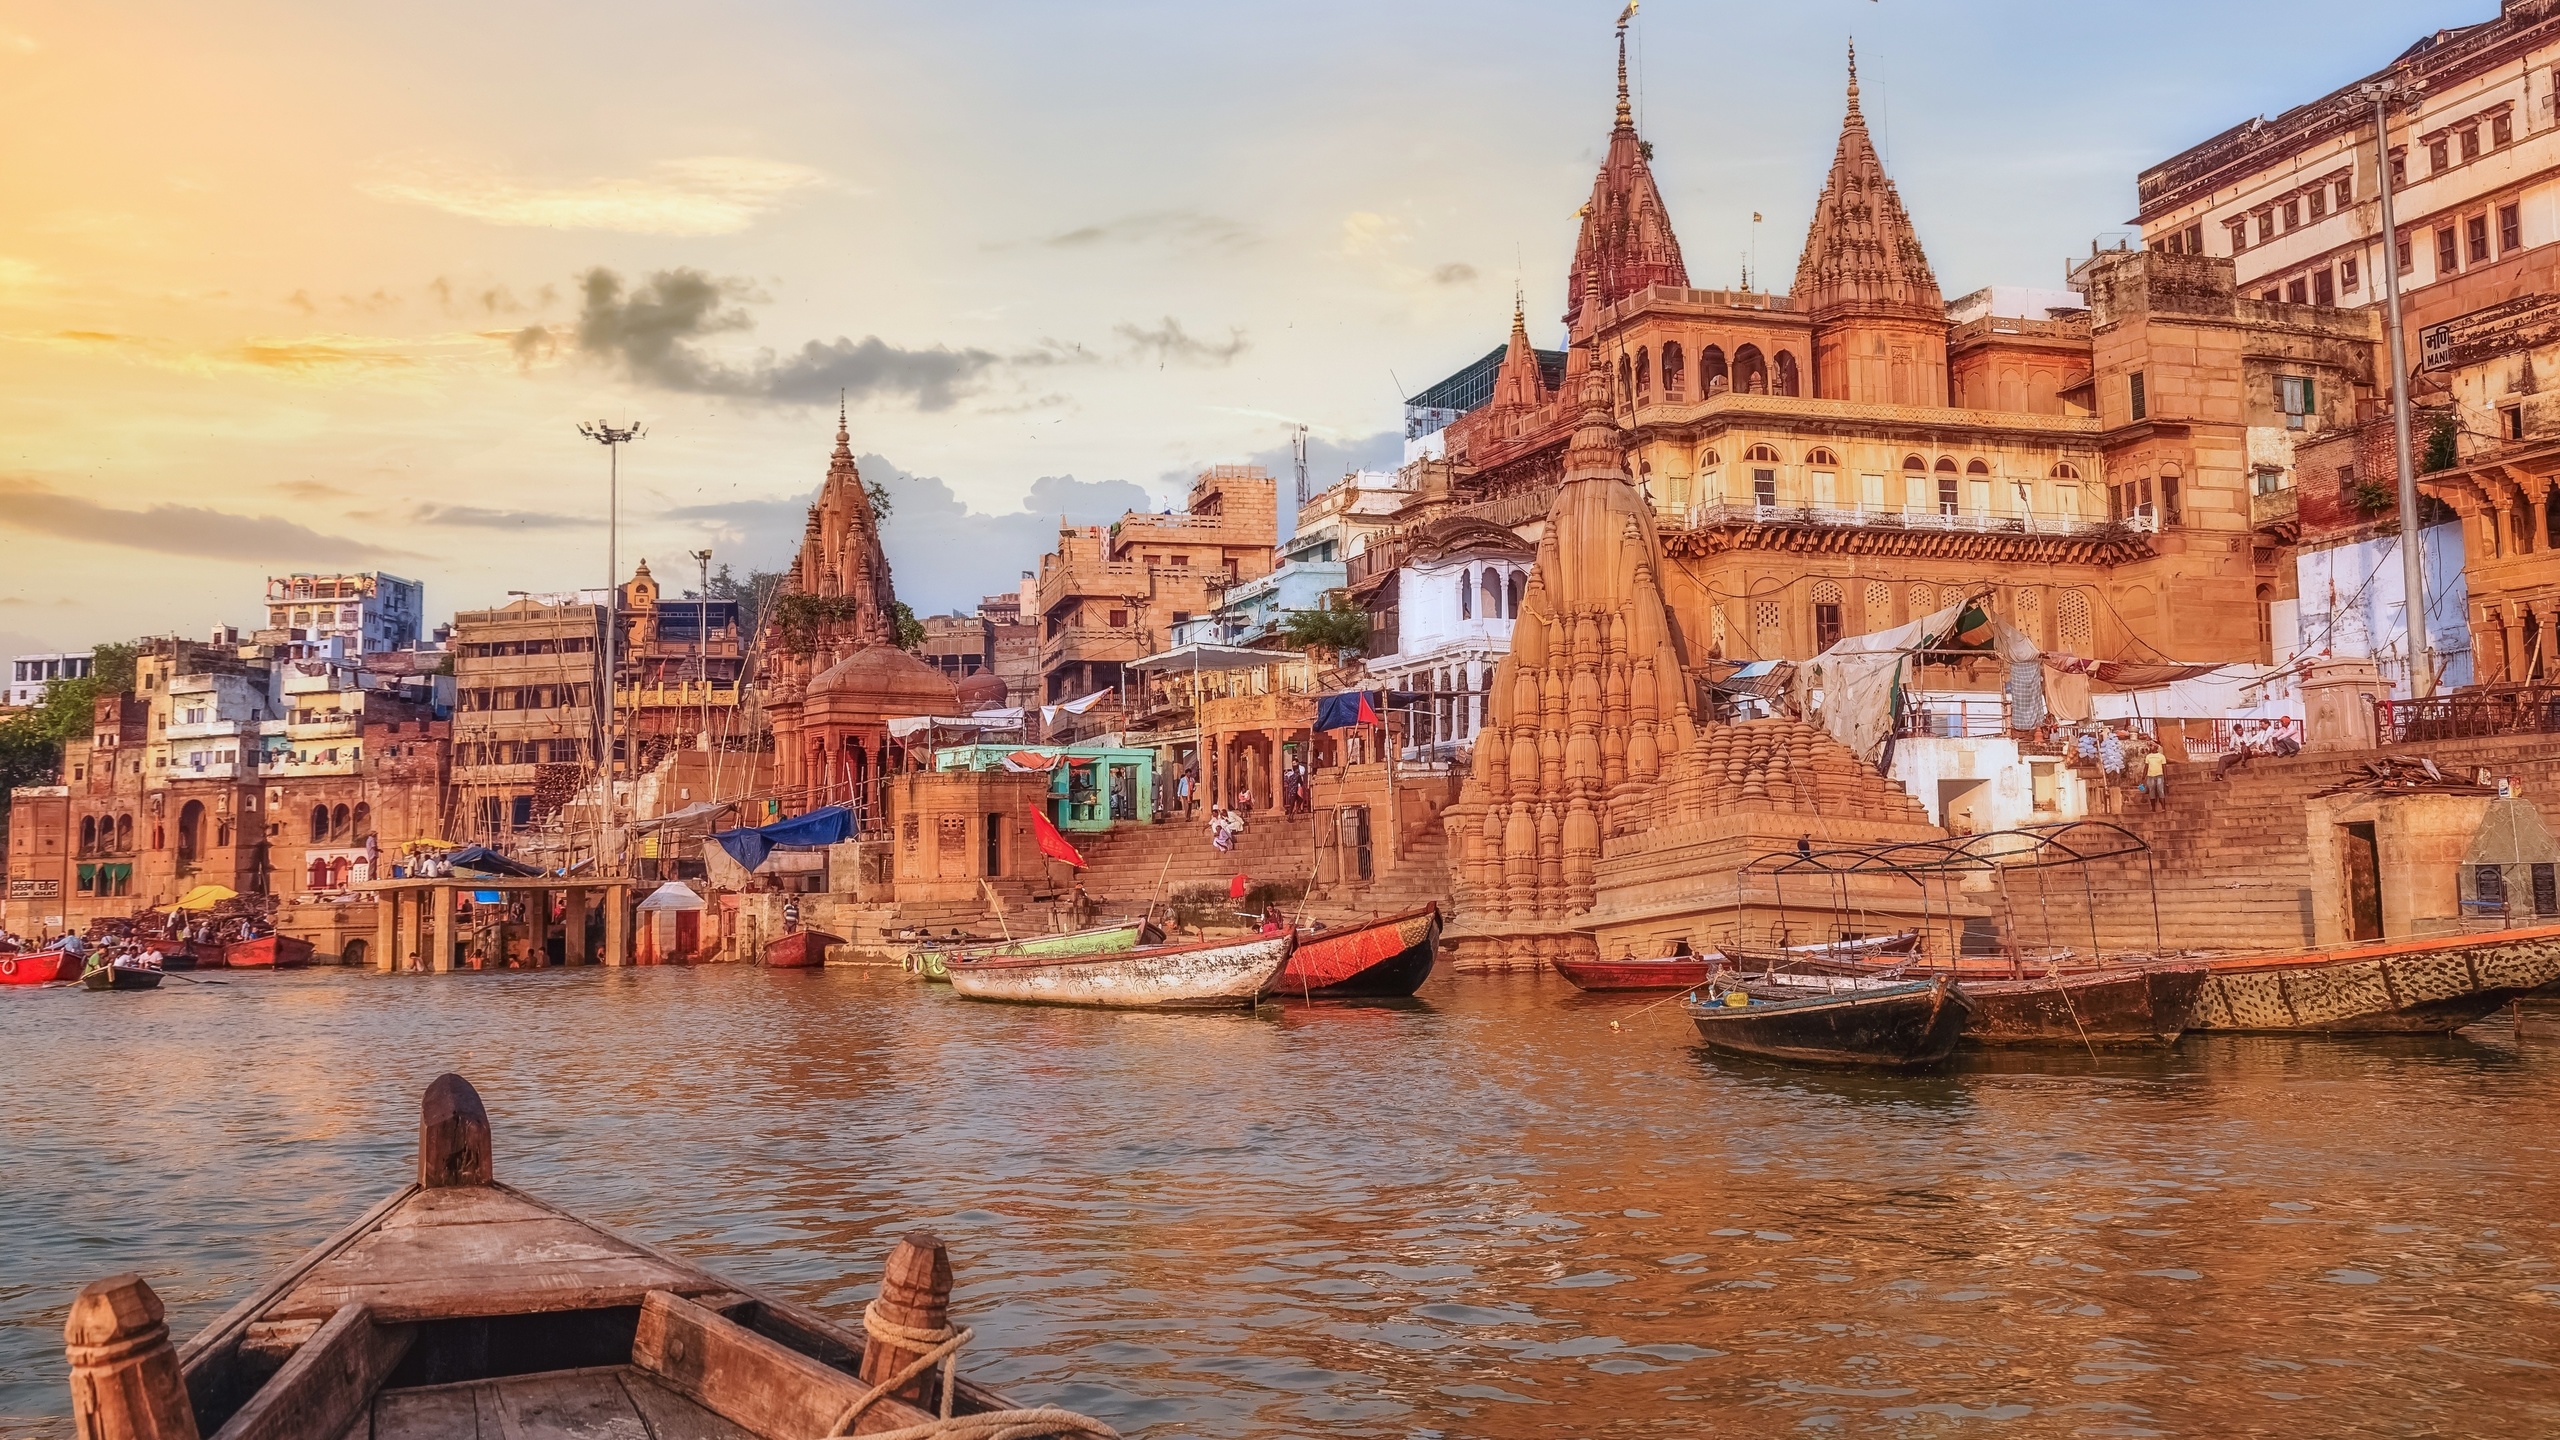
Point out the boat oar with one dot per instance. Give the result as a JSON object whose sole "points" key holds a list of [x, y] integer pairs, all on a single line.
{"points": [[190, 979]]}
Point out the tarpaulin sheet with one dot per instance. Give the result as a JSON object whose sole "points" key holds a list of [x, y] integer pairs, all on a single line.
{"points": [[481, 860], [828, 825], [1861, 680], [1346, 708]]}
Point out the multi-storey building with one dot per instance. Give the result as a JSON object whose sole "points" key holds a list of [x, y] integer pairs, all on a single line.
{"points": [[527, 711], [679, 659], [30, 674], [370, 612], [1108, 596]]}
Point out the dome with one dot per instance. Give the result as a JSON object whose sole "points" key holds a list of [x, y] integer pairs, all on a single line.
{"points": [[985, 690], [881, 680]]}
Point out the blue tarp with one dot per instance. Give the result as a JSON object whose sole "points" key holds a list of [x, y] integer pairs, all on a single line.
{"points": [[1341, 710], [830, 825], [481, 860]]}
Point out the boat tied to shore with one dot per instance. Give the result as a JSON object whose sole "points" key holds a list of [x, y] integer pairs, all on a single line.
{"points": [[2396, 987], [933, 959], [1381, 958], [1894, 1027], [1219, 974], [462, 1306], [802, 949]]}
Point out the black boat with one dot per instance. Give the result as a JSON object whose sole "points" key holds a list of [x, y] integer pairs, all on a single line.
{"points": [[120, 975], [1897, 1027], [1373, 959]]}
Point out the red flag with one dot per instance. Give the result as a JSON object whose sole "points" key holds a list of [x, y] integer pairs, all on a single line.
{"points": [[1368, 712], [1237, 886], [1053, 844]]}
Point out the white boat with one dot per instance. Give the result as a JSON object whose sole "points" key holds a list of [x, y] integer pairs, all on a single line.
{"points": [[1210, 975]]}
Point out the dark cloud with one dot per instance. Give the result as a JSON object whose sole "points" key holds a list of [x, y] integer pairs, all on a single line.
{"points": [[174, 529], [1181, 229], [1456, 272], [1170, 344], [651, 331], [943, 555]]}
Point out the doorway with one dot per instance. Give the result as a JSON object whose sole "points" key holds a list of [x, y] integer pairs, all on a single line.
{"points": [[1963, 806], [2361, 858]]}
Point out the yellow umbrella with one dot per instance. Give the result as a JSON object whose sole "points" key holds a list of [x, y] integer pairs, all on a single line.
{"points": [[205, 897], [422, 843]]}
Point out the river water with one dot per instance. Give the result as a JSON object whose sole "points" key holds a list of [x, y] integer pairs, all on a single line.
{"points": [[1488, 1212]]}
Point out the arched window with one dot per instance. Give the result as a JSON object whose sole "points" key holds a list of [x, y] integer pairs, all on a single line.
{"points": [[1644, 372], [190, 832], [319, 823], [318, 877], [338, 873], [1750, 371], [1708, 460], [1466, 594], [338, 823], [1821, 456], [1671, 376], [1518, 587], [1949, 493], [2066, 472], [363, 820], [1914, 462], [88, 834], [1712, 377], [1492, 593], [1787, 382], [124, 832], [1626, 382], [1976, 467], [1762, 455]]}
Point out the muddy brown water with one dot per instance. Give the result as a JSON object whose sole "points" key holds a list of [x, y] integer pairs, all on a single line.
{"points": [[1481, 1213]]}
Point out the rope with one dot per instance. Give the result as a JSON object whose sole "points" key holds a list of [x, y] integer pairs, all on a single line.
{"points": [[940, 1346]]}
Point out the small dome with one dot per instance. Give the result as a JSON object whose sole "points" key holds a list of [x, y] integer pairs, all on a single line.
{"points": [[901, 683], [982, 691]]}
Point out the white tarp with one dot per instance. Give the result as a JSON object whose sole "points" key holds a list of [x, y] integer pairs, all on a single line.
{"points": [[2234, 692], [1856, 678]]}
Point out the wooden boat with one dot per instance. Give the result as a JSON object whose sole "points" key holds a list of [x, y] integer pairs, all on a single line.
{"points": [[800, 950], [1899, 1027], [120, 974], [459, 1306], [933, 960], [2131, 1005], [37, 967], [1661, 972], [1208, 975], [2386, 988], [277, 952], [1392, 956]]}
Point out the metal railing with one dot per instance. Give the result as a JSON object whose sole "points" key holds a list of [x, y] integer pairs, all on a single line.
{"points": [[1907, 517], [2470, 715]]}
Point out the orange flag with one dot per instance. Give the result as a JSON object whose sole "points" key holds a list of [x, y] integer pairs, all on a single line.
{"points": [[1053, 844]]}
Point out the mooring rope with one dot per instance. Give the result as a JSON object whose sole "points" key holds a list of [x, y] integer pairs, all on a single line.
{"points": [[941, 1346]]}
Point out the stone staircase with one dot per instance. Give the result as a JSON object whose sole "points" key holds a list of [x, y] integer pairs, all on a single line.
{"points": [[1128, 866]]}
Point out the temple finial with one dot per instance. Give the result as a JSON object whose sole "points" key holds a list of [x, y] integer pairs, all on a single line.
{"points": [[1853, 74], [841, 432], [1626, 116]]}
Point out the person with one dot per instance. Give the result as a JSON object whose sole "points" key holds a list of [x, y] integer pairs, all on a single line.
{"points": [[2155, 777], [1221, 835], [1244, 799], [791, 916], [1182, 793], [1273, 922]]}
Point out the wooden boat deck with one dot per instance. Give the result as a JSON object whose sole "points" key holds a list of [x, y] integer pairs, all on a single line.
{"points": [[609, 1402]]}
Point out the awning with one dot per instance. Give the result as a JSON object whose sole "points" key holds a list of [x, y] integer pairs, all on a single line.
{"points": [[700, 811], [204, 897], [828, 825], [903, 726], [1032, 762], [1346, 708], [1203, 658], [481, 860], [674, 895]]}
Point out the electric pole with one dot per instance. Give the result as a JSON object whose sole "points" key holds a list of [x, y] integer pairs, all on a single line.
{"points": [[612, 438], [702, 642], [2413, 570]]}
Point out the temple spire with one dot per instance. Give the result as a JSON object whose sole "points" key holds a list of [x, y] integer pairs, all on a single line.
{"points": [[1625, 236], [1855, 118], [1626, 115]]}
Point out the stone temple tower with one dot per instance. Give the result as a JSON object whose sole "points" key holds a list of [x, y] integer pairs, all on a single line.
{"points": [[1880, 325]]}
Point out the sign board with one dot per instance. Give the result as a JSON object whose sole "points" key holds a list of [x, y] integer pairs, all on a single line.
{"points": [[2511, 327], [34, 889]]}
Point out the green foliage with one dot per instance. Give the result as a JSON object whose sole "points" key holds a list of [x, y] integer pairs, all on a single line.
{"points": [[31, 741], [2372, 497], [910, 629], [2442, 453], [796, 619], [1338, 627], [754, 595], [879, 493]]}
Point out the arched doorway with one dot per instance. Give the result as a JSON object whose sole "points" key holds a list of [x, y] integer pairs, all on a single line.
{"points": [[355, 952], [190, 832]]}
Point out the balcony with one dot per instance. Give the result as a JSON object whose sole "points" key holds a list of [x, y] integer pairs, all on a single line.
{"points": [[1073, 643], [685, 694], [1993, 535], [2277, 511], [207, 730]]}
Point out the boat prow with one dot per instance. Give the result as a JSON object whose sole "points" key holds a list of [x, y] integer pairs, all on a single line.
{"points": [[1899, 1027], [1386, 957], [461, 1306]]}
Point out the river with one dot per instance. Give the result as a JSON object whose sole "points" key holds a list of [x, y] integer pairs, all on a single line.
{"points": [[1483, 1213]]}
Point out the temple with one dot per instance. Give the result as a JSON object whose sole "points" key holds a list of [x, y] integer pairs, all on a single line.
{"points": [[839, 676]]}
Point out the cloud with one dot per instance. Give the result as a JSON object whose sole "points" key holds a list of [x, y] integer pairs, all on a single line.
{"points": [[1366, 233], [704, 195], [308, 357], [1170, 344], [1456, 272], [649, 331], [475, 517], [16, 274], [28, 506], [1184, 230]]}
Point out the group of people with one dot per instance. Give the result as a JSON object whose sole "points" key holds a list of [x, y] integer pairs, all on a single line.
{"points": [[1297, 794], [2253, 738], [2122, 753], [1226, 824]]}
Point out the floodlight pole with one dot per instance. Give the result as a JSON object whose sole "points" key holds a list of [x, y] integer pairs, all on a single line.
{"points": [[702, 641], [612, 438]]}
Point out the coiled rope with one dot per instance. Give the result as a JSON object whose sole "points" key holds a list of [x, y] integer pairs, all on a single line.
{"points": [[941, 1346]]}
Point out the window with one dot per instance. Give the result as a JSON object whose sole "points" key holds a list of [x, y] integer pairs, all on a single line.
{"points": [[1871, 491], [2502, 129], [2510, 229], [2292, 215], [2448, 258], [2489, 884], [2266, 226], [1466, 594], [2512, 418], [1826, 625], [2546, 889], [2324, 288], [2471, 143], [2408, 253], [2295, 397], [2476, 230], [2347, 485], [1762, 454], [1947, 496], [2349, 274], [2141, 402], [1119, 620], [2195, 239], [2319, 204], [2272, 297], [2439, 155], [2399, 168], [2297, 291], [1764, 487], [2239, 236], [1826, 488], [2346, 192], [2266, 480]]}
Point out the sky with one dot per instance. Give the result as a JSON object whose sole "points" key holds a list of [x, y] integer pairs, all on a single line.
{"points": [[304, 286]]}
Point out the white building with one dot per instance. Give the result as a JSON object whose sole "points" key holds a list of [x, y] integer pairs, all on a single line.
{"points": [[1441, 599], [371, 612], [29, 674]]}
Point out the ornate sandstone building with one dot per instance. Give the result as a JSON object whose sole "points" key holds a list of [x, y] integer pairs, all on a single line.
{"points": [[839, 676]]}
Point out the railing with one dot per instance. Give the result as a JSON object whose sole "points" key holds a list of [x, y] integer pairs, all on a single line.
{"points": [[1984, 719], [2470, 715], [681, 693], [1906, 517]]}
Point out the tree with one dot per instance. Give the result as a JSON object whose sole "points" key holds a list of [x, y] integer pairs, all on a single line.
{"points": [[1337, 626], [910, 629], [31, 741]]}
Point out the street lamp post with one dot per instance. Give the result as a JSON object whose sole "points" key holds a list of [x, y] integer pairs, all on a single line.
{"points": [[612, 438], [2413, 570], [702, 641]]}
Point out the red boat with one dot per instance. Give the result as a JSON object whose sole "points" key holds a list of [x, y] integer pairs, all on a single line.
{"points": [[37, 967], [267, 952], [1664, 972], [800, 950], [1374, 958]]}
